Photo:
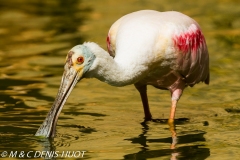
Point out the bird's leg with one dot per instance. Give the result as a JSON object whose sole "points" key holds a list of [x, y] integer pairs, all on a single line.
{"points": [[176, 94], [143, 93], [172, 111], [174, 135]]}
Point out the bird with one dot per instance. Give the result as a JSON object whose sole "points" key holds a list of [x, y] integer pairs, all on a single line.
{"points": [[164, 49]]}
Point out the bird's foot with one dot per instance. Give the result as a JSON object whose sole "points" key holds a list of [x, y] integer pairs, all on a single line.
{"points": [[147, 118]]}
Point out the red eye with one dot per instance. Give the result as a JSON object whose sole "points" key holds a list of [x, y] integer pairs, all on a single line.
{"points": [[80, 60]]}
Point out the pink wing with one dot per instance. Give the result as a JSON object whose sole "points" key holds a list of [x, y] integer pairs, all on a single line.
{"points": [[193, 58]]}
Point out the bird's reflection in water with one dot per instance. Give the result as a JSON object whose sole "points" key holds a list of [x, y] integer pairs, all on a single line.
{"points": [[174, 135], [47, 146], [192, 150]]}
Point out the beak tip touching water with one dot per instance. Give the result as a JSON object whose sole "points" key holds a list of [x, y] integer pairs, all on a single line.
{"points": [[69, 80]]}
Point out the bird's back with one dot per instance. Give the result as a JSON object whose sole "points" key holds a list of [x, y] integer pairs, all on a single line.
{"points": [[170, 41]]}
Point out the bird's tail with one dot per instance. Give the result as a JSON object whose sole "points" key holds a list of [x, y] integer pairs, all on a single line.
{"points": [[207, 80]]}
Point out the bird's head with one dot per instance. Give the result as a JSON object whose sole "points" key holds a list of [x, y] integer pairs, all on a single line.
{"points": [[78, 61]]}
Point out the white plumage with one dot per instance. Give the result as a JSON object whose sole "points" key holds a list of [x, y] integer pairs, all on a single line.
{"points": [[163, 49]]}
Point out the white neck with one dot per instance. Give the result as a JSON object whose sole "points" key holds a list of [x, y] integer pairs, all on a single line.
{"points": [[106, 69]]}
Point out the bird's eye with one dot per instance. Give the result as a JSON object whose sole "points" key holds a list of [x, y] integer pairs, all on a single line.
{"points": [[80, 60]]}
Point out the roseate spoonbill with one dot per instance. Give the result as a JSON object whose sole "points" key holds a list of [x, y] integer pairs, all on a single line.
{"points": [[164, 49]]}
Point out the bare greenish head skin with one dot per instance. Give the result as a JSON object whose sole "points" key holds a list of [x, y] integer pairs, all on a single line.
{"points": [[81, 51], [78, 61]]}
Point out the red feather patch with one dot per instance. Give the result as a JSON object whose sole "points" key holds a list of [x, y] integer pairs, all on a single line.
{"points": [[108, 44], [191, 40]]}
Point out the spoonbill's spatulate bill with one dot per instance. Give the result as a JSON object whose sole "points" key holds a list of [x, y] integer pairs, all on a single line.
{"points": [[164, 49]]}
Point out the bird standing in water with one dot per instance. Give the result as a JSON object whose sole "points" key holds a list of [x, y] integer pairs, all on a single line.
{"points": [[164, 49]]}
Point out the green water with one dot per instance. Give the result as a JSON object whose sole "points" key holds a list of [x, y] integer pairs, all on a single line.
{"points": [[106, 121]]}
